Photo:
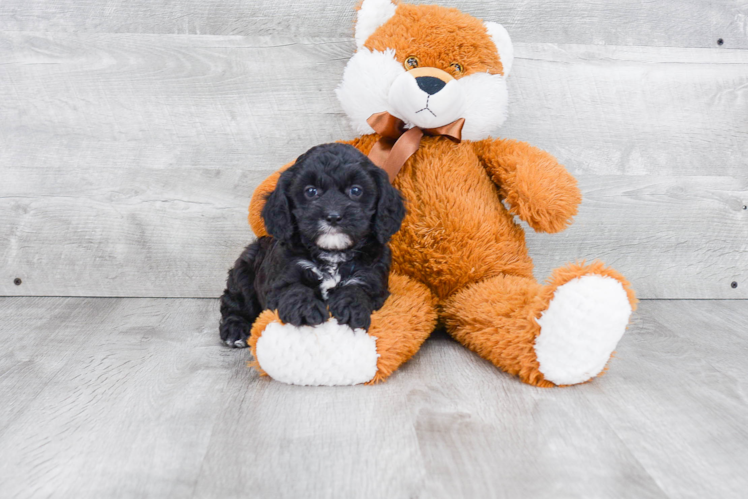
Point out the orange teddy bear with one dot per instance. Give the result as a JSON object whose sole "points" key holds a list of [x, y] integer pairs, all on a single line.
{"points": [[425, 88]]}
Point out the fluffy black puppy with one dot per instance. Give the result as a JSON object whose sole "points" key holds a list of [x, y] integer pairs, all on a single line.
{"points": [[330, 218]]}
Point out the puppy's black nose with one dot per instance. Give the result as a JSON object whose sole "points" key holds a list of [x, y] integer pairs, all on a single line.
{"points": [[430, 84], [333, 218]]}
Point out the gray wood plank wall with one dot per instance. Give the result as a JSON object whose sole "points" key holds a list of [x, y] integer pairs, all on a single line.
{"points": [[130, 145], [668, 23]]}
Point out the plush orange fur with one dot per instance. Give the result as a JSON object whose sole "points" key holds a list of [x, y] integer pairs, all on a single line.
{"points": [[460, 248], [427, 27], [402, 325], [538, 189], [262, 321], [258, 201], [496, 317]]}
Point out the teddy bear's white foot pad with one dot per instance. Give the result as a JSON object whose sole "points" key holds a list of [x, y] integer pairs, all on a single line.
{"points": [[580, 329], [327, 354]]}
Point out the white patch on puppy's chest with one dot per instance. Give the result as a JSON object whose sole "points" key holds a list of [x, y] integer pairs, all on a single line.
{"points": [[328, 273], [331, 279]]}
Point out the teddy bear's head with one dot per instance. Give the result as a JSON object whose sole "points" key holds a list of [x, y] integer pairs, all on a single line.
{"points": [[429, 66]]}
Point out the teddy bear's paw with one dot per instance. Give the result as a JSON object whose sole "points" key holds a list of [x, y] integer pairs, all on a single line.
{"points": [[326, 354], [580, 328]]}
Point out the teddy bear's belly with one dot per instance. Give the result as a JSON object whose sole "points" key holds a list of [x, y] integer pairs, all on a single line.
{"points": [[457, 231]]}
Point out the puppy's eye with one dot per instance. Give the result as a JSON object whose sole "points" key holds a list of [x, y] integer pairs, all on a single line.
{"points": [[355, 192], [411, 62], [310, 192], [457, 68]]}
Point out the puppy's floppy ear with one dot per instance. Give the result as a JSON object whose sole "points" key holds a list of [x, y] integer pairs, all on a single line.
{"points": [[277, 210], [390, 207]]}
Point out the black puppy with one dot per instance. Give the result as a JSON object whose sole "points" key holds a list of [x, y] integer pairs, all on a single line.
{"points": [[330, 218]]}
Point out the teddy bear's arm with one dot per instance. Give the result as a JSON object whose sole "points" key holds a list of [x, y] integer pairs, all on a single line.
{"points": [[537, 188], [363, 144]]}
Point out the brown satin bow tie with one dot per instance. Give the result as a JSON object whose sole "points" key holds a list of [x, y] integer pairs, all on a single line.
{"points": [[398, 144]]}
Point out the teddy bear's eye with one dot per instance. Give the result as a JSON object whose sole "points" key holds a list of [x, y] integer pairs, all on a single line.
{"points": [[457, 68], [411, 62]]}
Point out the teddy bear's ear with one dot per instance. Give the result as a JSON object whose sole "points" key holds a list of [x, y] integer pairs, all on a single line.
{"points": [[371, 15], [503, 43]]}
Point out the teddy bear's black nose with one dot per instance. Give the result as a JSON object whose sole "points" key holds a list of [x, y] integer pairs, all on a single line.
{"points": [[430, 84]]}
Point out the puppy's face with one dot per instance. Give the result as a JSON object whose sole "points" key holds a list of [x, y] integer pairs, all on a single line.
{"points": [[334, 201], [333, 198]]}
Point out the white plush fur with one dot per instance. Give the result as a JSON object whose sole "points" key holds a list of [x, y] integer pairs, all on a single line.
{"points": [[375, 81], [366, 84], [486, 104], [414, 106], [580, 329], [503, 42], [372, 15], [328, 354]]}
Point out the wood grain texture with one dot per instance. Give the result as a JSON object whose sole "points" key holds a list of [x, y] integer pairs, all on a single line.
{"points": [[128, 160], [707, 342], [136, 397], [35, 349], [251, 103], [128, 413], [670, 23]]}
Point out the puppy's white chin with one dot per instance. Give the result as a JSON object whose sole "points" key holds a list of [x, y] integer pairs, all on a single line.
{"points": [[334, 241]]}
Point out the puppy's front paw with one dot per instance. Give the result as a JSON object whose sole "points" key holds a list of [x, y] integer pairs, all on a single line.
{"points": [[351, 309], [310, 312], [234, 331]]}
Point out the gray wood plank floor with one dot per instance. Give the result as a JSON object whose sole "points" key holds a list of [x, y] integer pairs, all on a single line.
{"points": [[136, 397]]}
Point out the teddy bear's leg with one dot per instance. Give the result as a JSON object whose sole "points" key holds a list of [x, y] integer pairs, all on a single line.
{"points": [[333, 354], [561, 333]]}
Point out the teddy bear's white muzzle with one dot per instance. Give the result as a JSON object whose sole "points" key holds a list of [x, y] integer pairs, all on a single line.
{"points": [[426, 101]]}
